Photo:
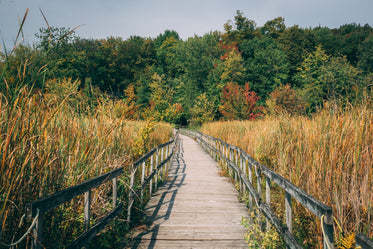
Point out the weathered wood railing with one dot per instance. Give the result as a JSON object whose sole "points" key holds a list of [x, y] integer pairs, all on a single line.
{"points": [[153, 167], [241, 166]]}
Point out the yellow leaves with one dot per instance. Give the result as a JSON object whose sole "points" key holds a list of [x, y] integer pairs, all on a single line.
{"points": [[142, 143], [346, 242], [232, 67]]}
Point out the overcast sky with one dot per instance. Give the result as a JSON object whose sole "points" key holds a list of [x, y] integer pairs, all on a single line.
{"points": [[149, 18]]}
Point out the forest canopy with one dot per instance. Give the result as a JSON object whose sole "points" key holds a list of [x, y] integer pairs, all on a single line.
{"points": [[240, 73]]}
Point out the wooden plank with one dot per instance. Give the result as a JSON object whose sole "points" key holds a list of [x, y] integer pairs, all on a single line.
{"points": [[364, 241], [288, 212], [264, 207], [196, 208]]}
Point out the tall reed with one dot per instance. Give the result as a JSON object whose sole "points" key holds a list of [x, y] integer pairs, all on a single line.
{"points": [[47, 144], [330, 156]]}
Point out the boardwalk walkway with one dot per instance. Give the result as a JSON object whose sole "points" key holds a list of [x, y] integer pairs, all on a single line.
{"points": [[195, 208]]}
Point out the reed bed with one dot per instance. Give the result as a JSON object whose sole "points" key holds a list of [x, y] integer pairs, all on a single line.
{"points": [[47, 145], [330, 156]]}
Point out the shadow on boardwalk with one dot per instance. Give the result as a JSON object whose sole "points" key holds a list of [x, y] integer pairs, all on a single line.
{"points": [[194, 208]]}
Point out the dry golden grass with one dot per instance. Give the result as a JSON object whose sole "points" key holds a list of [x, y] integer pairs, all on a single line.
{"points": [[46, 146], [330, 156]]}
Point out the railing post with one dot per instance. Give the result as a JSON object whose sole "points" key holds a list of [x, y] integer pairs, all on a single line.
{"points": [[223, 155], [131, 194], [259, 181], [288, 210], [251, 182], [235, 162], [151, 180], [115, 191], [328, 230], [143, 168], [230, 160], [38, 233], [87, 209], [167, 155], [268, 197], [235, 157], [161, 170], [241, 168], [259, 186], [156, 169], [244, 170]]}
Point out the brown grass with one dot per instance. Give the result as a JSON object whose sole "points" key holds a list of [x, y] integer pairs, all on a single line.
{"points": [[47, 145], [330, 156]]}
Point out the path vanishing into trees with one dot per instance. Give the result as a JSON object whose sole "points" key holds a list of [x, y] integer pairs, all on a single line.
{"points": [[195, 208]]}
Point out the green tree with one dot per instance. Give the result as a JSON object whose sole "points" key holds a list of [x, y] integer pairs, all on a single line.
{"points": [[328, 78], [162, 37], [266, 65], [273, 28], [60, 55], [365, 56], [162, 107], [297, 43], [231, 67], [330, 42], [243, 29], [203, 110], [21, 68], [166, 56], [195, 60], [352, 36], [342, 80], [310, 70]]}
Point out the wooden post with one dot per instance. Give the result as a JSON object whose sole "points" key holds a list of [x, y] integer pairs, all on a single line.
{"points": [[167, 155], [244, 170], [162, 154], [268, 197], [259, 181], [131, 194], [38, 233], [151, 180], [229, 161], [143, 178], [235, 157], [87, 210], [222, 155], [251, 182], [259, 186], [241, 167], [288, 210], [156, 169], [115, 191], [329, 231]]}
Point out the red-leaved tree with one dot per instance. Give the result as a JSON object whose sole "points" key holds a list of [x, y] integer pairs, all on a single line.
{"points": [[239, 103]]}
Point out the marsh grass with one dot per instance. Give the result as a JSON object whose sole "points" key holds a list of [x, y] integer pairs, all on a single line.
{"points": [[330, 156], [47, 144]]}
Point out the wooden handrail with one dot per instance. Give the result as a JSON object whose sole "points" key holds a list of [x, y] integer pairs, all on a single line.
{"points": [[363, 241], [229, 155], [47, 203]]}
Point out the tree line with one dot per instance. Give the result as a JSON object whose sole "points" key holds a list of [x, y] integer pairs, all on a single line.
{"points": [[240, 73]]}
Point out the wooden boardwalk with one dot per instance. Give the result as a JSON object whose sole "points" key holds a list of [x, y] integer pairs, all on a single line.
{"points": [[195, 208]]}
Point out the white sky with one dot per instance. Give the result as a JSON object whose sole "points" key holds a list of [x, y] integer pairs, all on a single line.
{"points": [[149, 18]]}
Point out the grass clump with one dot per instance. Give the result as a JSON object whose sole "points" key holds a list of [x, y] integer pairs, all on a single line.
{"points": [[328, 155], [54, 139]]}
